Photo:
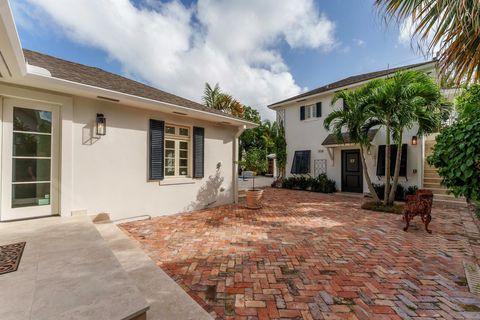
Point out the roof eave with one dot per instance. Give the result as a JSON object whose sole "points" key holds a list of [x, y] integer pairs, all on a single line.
{"points": [[79, 89], [287, 102]]}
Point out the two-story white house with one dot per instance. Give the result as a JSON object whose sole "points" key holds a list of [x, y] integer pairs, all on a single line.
{"points": [[312, 150]]}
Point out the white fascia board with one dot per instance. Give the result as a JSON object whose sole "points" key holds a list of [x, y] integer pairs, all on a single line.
{"points": [[74, 88], [287, 103], [11, 48]]}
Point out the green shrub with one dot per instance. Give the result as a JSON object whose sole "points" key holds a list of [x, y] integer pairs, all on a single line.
{"points": [[320, 184], [456, 155], [400, 194]]}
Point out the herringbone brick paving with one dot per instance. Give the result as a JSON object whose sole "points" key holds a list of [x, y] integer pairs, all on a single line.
{"points": [[315, 256]]}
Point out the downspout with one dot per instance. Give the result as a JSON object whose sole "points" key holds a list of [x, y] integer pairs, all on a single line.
{"points": [[239, 131]]}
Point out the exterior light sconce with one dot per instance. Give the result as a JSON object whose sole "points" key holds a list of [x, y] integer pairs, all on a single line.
{"points": [[414, 140], [101, 123]]}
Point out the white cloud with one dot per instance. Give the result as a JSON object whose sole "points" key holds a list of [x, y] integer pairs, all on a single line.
{"points": [[178, 48], [406, 31], [360, 42]]}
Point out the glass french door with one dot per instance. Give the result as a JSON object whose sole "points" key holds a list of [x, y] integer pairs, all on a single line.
{"points": [[29, 160]]}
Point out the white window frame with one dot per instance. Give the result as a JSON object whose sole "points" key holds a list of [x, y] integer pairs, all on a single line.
{"points": [[310, 111], [177, 138]]}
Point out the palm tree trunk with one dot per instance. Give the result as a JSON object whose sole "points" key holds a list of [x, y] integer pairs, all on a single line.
{"points": [[387, 165], [367, 176], [391, 198]]}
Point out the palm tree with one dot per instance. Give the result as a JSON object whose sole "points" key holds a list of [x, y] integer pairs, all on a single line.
{"points": [[452, 27], [398, 103], [214, 98], [355, 120]]}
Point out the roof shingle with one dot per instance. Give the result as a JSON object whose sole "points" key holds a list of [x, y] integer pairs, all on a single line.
{"points": [[351, 80], [96, 77], [331, 139]]}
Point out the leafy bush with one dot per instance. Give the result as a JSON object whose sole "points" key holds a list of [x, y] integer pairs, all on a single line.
{"points": [[456, 155], [323, 184], [400, 194], [320, 184]]}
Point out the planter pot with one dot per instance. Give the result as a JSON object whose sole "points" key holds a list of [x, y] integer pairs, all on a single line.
{"points": [[254, 198]]}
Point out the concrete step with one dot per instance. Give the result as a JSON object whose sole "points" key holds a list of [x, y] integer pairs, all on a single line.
{"points": [[431, 175], [433, 186], [437, 190], [436, 180]]}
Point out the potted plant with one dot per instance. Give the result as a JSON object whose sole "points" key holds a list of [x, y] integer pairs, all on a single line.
{"points": [[255, 160]]}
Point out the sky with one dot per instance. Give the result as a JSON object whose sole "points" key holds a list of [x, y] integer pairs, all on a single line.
{"points": [[259, 51]]}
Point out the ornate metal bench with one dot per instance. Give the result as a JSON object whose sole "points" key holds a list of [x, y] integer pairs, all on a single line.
{"points": [[419, 204]]}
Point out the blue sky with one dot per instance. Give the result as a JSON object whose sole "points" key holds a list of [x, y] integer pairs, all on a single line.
{"points": [[248, 49]]}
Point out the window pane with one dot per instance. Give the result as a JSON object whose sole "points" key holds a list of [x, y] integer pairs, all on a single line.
{"points": [[31, 145], [183, 145], [170, 130], [170, 144], [169, 153], [170, 162], [183, 154], [169, 171], [183, 131], [183, 162], [30, 194], [32, 120], [183, 171], [31, 170]]}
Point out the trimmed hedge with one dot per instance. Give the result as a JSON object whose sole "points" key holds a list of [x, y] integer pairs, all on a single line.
{"points": [[319, 184]]}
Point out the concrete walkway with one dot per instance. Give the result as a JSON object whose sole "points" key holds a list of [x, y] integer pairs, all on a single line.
{"points": [[67, 271], [168, 301]]}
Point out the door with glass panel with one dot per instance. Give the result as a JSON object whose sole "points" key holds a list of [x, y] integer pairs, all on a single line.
{"points": [[29, 160]]}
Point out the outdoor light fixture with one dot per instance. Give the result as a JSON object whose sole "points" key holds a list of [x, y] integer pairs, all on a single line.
{"points": [[414, 140], [101, 124]]}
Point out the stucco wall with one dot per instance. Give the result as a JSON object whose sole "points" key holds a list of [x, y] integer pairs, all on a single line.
{"points": [[309, 135], [110, 173]]}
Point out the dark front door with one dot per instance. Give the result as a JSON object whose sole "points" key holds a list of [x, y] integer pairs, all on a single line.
{"points": [[352, 177]]}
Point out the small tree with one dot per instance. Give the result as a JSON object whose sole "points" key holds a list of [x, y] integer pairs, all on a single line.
{"points": [[254, 160], [401, 101], [355, 120]]}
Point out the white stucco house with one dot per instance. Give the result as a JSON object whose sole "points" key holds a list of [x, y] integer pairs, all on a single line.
{"points": [[312, 150], [79, 140]]}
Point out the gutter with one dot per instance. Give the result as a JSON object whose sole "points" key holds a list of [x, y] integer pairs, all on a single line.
{"points": [[240, 130]]}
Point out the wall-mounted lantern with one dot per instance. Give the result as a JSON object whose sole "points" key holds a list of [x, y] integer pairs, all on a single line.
{"points": [[101, 122], [414, 140]]}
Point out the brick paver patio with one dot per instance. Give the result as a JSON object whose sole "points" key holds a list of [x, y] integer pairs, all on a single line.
{"points": [[315, 256]]}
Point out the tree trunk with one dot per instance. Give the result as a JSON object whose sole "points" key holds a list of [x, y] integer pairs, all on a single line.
{"points": [[387, 165], [398, 158], [367, 176]]}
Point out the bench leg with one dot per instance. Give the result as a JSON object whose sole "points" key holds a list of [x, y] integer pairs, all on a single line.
{"points": [[428, 218]]}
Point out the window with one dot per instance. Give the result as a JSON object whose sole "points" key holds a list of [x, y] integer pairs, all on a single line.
{"points": [[177, 151], [311, 111], [393, 160], [301, 162]]}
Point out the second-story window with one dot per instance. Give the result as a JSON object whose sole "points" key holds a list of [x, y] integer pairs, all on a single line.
{"points": [[311, 111]]}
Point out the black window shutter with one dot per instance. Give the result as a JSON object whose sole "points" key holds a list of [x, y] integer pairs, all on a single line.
{"points": [[198, 152], [156, 149], [381, 161], [393, 157], [319, 110], [302, 113], [301, 162]]}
